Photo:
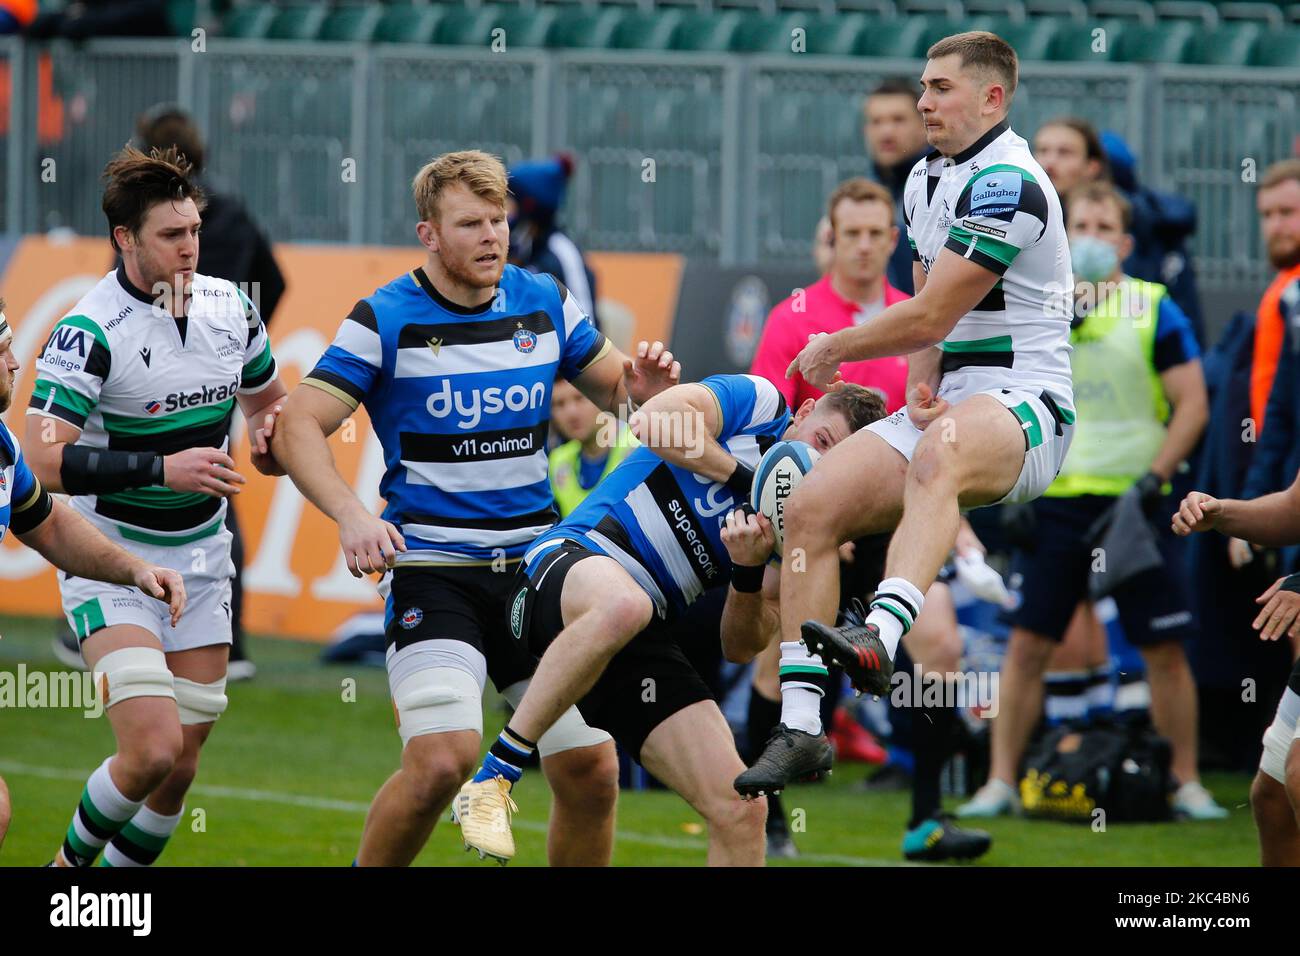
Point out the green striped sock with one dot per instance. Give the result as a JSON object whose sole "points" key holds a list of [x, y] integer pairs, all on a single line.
{"points": [[140, 842], [100, 814]]}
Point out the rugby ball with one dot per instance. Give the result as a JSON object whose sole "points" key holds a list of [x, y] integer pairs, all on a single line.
{"points": [[778, 474]]}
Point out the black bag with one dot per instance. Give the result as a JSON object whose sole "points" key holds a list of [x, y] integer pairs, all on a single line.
{"points": [[1123, 769]]}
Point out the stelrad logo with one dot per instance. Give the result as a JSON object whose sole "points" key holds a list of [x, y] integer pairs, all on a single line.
{"points": [[472, 404], [179, 401]]}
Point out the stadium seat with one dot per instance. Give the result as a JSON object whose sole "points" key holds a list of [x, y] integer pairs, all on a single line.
{"points": [[180, 16], [522, 27], [400, 24], [1032, 39], [1074, 43], [707, 32], [1278, 48], [298, 22], [835, 36], [1167, 42], [759, 33], [587, 29], [938, 28], [352, 23], [1231, 44], [248, 23], [648, 31], [904, 37]]}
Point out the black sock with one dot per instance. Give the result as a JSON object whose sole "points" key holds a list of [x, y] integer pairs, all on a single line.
{"points": [[931, 735], [764, 714], [776, 816]]}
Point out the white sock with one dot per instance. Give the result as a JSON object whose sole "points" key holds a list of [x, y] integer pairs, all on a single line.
{"points": [[894, 610], [803, 684]]}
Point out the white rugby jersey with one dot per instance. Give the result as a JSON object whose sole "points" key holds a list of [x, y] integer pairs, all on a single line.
{"points": [[118, 368], [993, 204]]}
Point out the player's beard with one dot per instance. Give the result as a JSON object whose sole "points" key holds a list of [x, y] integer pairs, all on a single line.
{"points": [[160, 283], [6, 390], [461, 274]]}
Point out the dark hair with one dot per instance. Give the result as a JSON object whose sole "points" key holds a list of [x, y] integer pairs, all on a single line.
{"points": [[1092, 147], [896, 86], [167, 125], [135, 183], [859, 405], [1099, 191], [984, 52]]}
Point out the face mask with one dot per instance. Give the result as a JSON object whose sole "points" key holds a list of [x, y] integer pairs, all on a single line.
{"points": [[1093, 259]]}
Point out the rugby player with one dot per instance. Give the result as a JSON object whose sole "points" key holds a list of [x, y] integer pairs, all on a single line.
{"points": [[1270, 521], [990, 411], [599, 592], [60, 535], [130, 416], [454, 362]]}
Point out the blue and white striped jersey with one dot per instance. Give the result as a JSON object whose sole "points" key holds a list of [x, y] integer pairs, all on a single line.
{"points": [[20, 490], [663, 523], [461, 401]]}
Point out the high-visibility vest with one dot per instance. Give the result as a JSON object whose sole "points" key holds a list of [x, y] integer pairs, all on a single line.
{"points": [[1118, 396], [564, 467]]}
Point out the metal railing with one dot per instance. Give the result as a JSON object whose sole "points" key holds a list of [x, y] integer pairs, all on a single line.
{"points": [[721, 156]]}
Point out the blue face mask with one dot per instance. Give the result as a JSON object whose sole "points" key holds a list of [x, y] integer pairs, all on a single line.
{"points": [[1093, 259]]}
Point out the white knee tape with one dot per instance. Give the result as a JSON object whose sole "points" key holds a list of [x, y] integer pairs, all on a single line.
{"points": [[200, 703], [567, 733], [436, 700], [134, 672], [1281, 734]]}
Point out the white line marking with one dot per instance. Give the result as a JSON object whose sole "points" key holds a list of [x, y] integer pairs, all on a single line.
{"points": [[352, 806]]}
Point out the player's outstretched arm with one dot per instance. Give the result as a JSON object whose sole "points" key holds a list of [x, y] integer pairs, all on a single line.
{"points": [[681, 425], [309, 416], [70, 542], [610, 381], [953, 288], [751, 618], [1272, 521]]}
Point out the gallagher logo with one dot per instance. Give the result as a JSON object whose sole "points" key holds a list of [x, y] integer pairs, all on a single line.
{"points": [[153, 408], [412, 617], [525, 340]]}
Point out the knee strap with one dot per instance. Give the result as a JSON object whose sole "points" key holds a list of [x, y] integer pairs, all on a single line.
{"points": [[200, 703], [134, 672], [435, 700]]}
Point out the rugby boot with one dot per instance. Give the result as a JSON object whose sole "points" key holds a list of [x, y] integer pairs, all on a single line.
{"points": [[855, 647], [941, 839], [790, 755], [483, 811]]}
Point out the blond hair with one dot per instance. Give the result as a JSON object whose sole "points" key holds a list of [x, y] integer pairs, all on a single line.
{"points": [[481, 173], [1280, 172], [986, 53]]}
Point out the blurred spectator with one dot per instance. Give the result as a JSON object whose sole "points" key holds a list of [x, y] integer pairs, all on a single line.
{"points": [[588, 453], [537, 243], [102, 18], [1141, 410], [1275, 372], [1163, 225], [863, 237], [15, 15], [233, 246], [823, 245], [1072, 152], [895, 137]]}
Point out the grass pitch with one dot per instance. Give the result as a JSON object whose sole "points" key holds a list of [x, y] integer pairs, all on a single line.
{"points": [[290, 768]]}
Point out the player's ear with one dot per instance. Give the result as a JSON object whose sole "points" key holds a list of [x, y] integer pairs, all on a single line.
{"points": [[427, 235], [805, 409]]}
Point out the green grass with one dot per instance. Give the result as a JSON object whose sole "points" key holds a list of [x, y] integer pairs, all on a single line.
{"points": [[291, 767]]}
